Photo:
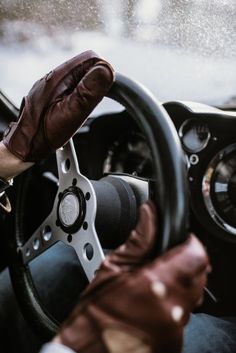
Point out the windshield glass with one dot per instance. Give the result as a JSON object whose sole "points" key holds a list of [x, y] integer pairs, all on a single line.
{"points": [[179, 49]]}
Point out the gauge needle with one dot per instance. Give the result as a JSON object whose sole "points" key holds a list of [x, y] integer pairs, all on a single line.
{"points": [[211, 295], [141, 166]]}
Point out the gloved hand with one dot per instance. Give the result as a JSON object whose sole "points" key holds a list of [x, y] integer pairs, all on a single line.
{"points": [[57, 105], [135, 305]]}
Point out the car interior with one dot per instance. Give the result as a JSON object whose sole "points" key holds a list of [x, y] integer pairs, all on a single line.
{"points": [[116, 145]]}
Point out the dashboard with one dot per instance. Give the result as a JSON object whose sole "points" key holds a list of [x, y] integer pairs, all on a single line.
{"points": [[208, 141], [112, 143]]}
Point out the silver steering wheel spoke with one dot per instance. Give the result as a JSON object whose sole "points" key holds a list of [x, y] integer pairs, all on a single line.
{"points": [[72, 219], [76, 210], [46, 235], [88, 249], [67, 165]]}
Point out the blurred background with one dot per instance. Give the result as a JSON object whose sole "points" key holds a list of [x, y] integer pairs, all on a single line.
{"points": [[180, 49]]}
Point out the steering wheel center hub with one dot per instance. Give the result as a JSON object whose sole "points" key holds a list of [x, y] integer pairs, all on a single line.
{"points": [[71, 209]]}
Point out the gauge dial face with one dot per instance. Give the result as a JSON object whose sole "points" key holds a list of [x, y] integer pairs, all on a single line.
{"points": [[194, 135], [224, 189], [219, 189], [129, 154]]}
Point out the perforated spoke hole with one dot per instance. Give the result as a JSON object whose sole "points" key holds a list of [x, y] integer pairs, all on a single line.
{"points": [[47, 233], [66, 165], [88, 251], [36, 244]]}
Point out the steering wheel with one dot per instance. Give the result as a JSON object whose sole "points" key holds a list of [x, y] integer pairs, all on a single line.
{"points": [[80, 205]]}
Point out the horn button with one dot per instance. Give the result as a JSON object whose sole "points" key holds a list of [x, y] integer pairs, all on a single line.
{"points": [[71, 209]]}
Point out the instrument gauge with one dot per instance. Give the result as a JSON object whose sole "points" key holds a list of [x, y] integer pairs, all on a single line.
{"points": [[194, 135], [219, 189], [129, 154]]}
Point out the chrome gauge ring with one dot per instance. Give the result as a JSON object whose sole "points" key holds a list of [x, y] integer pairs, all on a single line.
{"points": [[219, 189], [194, 135]]}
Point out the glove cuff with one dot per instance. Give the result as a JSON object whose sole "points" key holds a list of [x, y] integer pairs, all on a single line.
{"points": [[82, 336], [22, 143]]}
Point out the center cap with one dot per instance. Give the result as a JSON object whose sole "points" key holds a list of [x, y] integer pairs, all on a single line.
{"points": [[69, 209]]}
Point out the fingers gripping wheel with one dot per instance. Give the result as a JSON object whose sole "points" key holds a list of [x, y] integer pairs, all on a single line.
{"points": [[168, 193]]}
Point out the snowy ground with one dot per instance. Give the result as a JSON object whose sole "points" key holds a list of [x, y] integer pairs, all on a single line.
{"points": [[170, 74]]}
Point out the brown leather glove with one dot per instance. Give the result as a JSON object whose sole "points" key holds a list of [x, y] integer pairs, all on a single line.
{"points": [[135, 305], [57, 105]]}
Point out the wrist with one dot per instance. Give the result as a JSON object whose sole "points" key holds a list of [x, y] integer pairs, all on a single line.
{"points": [[11, 165], [57, 339], [81, 333], [53, 347]]}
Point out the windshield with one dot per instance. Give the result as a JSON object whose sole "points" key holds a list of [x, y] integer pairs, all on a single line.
{"points": [[179, 49]]}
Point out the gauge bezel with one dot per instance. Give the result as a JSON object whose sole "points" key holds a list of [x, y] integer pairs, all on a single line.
{"points": [[207, 184], [181, 135]]}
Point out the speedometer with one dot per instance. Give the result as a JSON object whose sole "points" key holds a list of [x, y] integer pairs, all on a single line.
{"points": [[219, 189]]}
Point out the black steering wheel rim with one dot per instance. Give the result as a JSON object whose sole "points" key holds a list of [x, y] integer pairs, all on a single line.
{"points": [[170, 193]]}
